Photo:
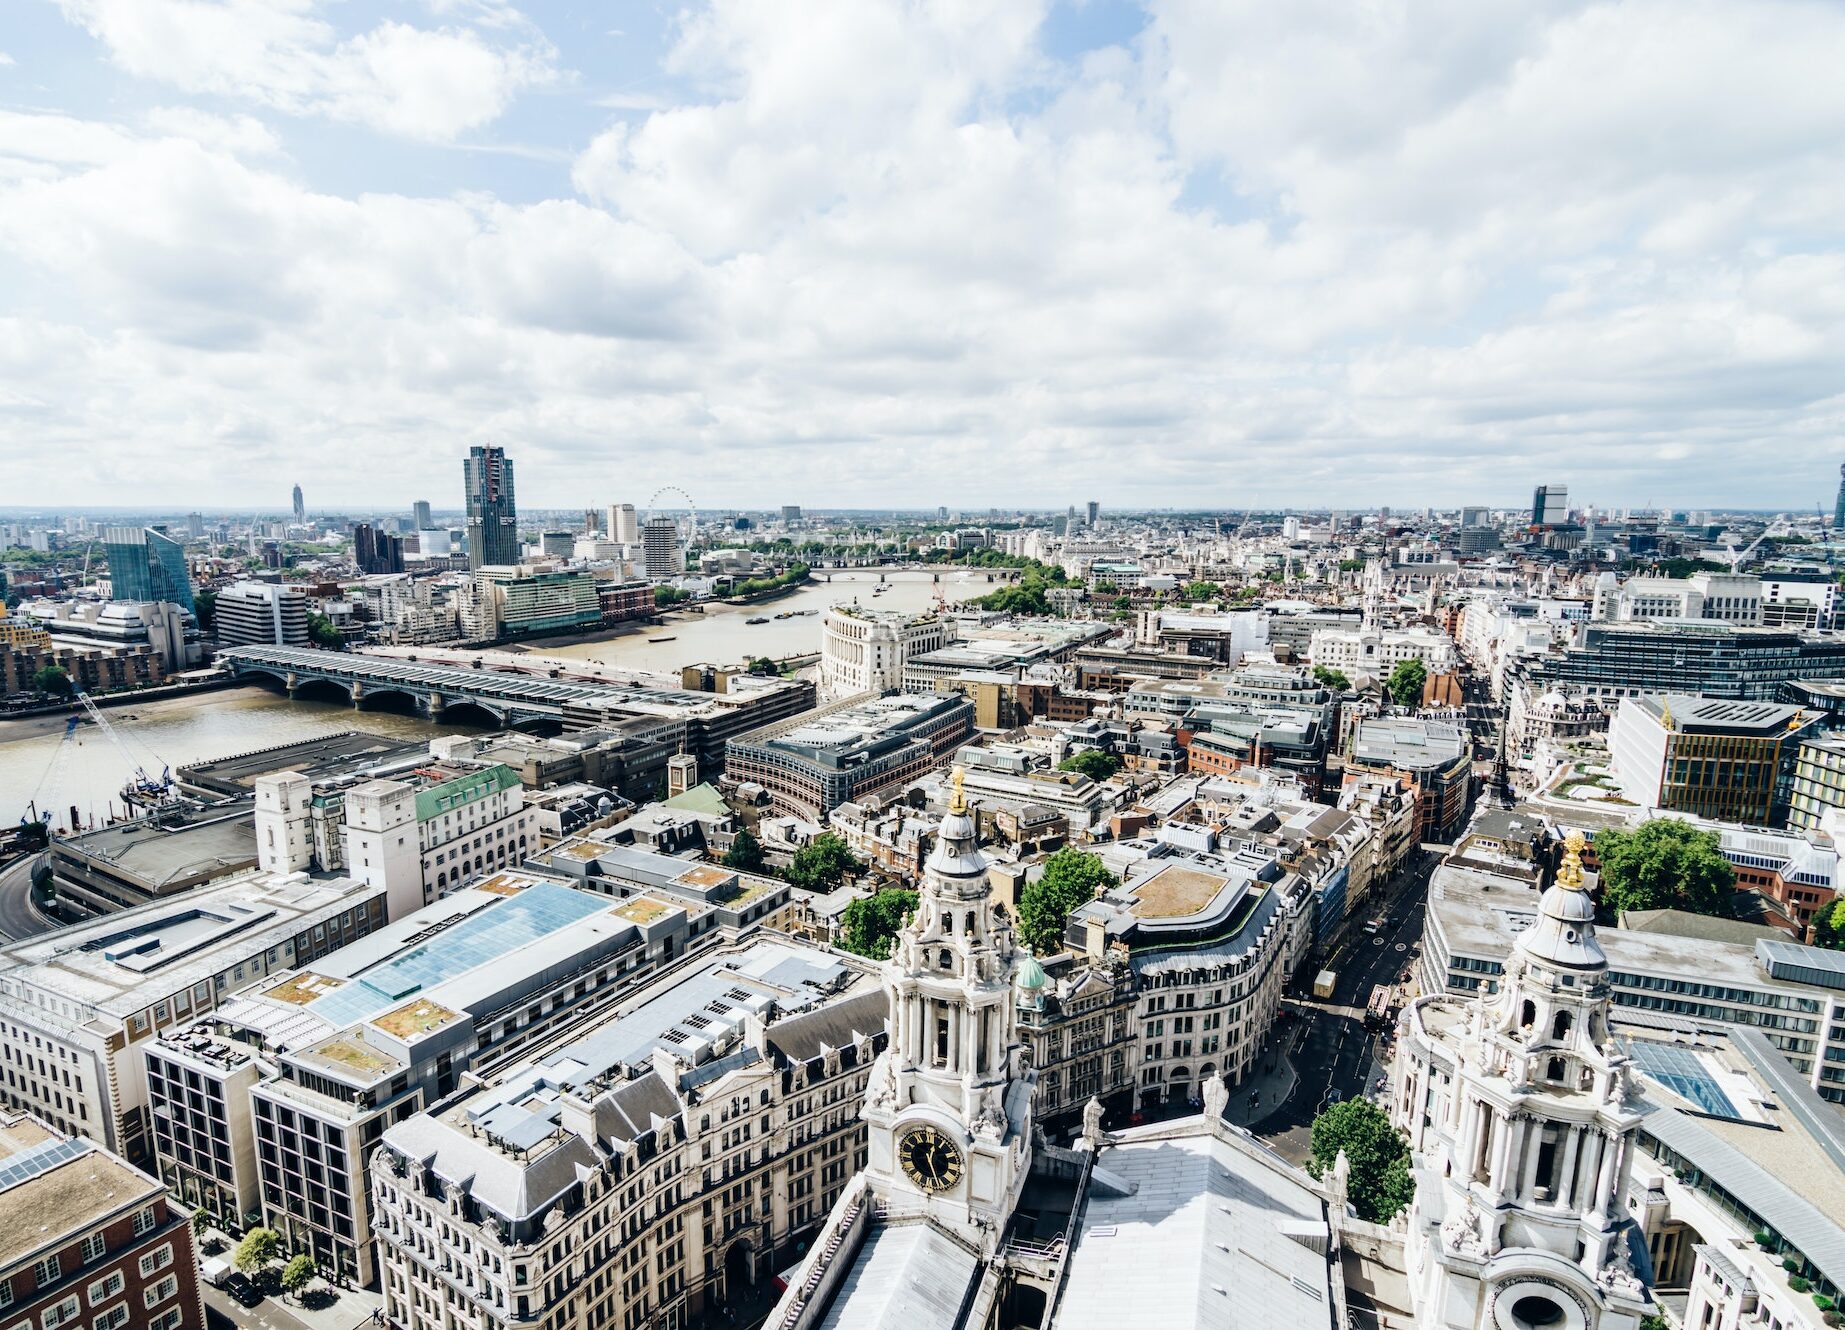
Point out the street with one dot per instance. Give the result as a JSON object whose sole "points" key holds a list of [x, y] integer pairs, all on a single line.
{"points": [[18, 918], [1332, 1050]]}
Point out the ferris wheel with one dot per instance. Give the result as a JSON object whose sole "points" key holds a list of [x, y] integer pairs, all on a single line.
{"points": [[666, 491]]}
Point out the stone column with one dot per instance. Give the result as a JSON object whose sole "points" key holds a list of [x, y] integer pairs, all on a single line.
{"points": [[1527, 1179], [1566, 1176], [1507, 1126], [1604, 1177]]}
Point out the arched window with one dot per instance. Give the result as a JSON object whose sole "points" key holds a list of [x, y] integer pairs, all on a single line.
{"points": [[1560, 1028], [1527, 1015], [1555, 1071]]}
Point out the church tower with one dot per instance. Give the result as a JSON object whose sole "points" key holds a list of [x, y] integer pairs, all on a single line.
{"points": [[949, 1108], [1517, 1106]]}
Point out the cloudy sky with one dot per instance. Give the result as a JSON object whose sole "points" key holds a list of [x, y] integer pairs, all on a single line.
{"points": [[847, 252]]}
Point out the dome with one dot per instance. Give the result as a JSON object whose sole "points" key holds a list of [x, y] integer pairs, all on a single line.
{"points": [[1563, 935], [1031, 975]]}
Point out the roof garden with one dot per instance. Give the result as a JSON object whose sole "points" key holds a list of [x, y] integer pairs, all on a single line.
{"points": [[302, 987], [415, 1019]]}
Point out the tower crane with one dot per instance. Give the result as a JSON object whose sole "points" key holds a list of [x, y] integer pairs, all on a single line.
{"points": [[1737, 559]]}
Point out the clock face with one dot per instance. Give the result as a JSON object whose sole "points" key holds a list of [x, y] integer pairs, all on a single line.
{"points": [[930, 1159]]}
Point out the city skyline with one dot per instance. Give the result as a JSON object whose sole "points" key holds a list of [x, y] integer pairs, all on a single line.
{"points": [[1157, 253]]}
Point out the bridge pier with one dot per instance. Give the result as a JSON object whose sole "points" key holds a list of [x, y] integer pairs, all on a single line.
{"points": [[290, 683], [433, 705], [358, 695]]}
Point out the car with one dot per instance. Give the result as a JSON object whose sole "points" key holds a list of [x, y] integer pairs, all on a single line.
{"points": [[240, 1287]]}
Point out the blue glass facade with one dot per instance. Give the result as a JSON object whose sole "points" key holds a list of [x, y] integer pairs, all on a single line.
{"points": [[147, 564]]}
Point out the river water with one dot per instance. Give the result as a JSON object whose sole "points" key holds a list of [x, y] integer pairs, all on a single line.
{"points": [[721, 636], [38, 764]]}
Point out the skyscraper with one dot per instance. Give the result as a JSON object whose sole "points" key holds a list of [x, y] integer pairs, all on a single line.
{"points": [[660, 548], [145, 563], [622, 527], [1550, 505], [422, 520], [493, 519], [1838, 505], [1095, 511], [300, 507]]}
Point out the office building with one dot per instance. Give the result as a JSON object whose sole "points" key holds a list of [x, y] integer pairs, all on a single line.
{"points": [[661, 557], [1091, 513], [1375, 652], [1818, 783], [145, 563], [521, 600], [492, 513], [276, 1102], [620, 525], [865, 650], [421, 519], [1800, 598], [375, 551], [814, 763], [1550, 505], [1725, 597], [1434, 756], [1520, 1116], [1730, 761], [1735, 1148], [262, 614], [87, 1240], [791, 513], [1838, 505], [650, 1168], [77, 1005], [1710, 659], [195, 525]]}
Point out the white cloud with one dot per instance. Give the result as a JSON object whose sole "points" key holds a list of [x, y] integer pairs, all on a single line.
{"points": [[416, 82], [892, 253]]}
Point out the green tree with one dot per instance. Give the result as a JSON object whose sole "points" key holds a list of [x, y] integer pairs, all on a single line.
{"points": [[669, 595], [1070, 878], [205, 606], [259, 1247], [761, 665], [1200, 591], [298, 1273], [1406, 682], [1829, 925], [745, 853], [1331, 678], [323, 634], [1665, 864], [869, 923], [1380, 1184], [201, 1220], [823, 864], [52, 679], [1093, 763]]}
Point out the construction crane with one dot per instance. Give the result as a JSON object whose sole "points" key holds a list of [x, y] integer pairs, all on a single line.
{"points": [[141, 788], [1736, 559]]}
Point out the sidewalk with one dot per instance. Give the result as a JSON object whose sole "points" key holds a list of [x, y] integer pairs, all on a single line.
{"points": [[320, 1306]]}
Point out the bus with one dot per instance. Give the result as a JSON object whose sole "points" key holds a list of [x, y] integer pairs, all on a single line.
{"points": [[1377, 1011]]}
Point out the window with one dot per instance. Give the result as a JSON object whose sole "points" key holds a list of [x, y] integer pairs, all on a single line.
{"points": [[48, 1271], [60, 1314], [116, 1316], [167, 1320], [105, 1288], [93, 1248], [158, 1259], [144, 1220], [160, 1292]]}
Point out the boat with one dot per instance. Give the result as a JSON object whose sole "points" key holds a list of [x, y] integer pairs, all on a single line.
{"points": [[663, 639], [760, 618], [785, 614]]}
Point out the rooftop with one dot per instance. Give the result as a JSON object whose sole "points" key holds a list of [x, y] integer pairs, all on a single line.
{"points": [[1405, 742], [51, 1186], [1694, 714]]}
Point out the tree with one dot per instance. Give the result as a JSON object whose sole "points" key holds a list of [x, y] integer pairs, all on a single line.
{"points": [[1193, 591], [871, 922], [669, 595], [761, 665], [298, 1273], [1070, 878], [1380, 1184], [259, 1247], [201, 1220], [205, 606], [323, 634], [823, 864], [1331, 678], [1665, 864], [1406, 682], [745, 853], [52, 679], [1093, 763], [1829, 925]]}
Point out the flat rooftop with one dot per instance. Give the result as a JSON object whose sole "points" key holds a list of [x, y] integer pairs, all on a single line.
{"points": [[180, 847], [1404, 742], [1695, 714], [52, 1186], [329, 755]]}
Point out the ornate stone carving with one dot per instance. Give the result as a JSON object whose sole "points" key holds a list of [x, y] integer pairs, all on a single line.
{"points": [[1465, 1232]]}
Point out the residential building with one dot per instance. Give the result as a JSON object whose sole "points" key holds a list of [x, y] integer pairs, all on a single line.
{"points": [[661, 556], [77, 1005], [521, 600], [1818, 783], [376, 551], [145, 563], [1083, 1024], [814, 763], [420, 517], [262, 614], [864, 650], [88, 1240], [643, 1172], [1728, 760], [492, 513], [1432, 755], [1521, 1117]]}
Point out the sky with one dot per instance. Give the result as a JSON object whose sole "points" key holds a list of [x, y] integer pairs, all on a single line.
{"points": [[1191, 253]]}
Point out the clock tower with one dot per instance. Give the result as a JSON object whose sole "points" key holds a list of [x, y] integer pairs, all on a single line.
{"points": [[949, 1106]]}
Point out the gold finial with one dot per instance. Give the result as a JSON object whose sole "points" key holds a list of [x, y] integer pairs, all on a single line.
{"points": [[957, 802], [1569, 876], [1665, 712]]}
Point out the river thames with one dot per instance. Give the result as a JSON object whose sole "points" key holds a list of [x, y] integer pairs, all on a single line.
{"points": [[90, 769]]}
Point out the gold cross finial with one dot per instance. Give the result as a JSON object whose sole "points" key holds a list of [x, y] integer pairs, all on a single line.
{"points": [[1569, 876], [957, 802]]}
